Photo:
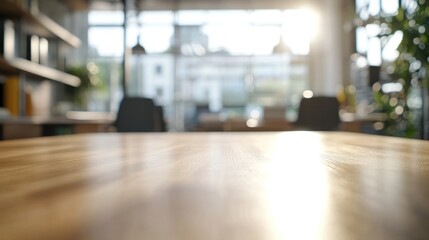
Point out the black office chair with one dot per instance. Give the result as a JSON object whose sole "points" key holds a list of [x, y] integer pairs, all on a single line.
{"points": [[136, 114], [160, 125], [319, 114]]}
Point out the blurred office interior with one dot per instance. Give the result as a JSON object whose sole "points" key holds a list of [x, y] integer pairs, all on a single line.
{"points": [[212, 65]]}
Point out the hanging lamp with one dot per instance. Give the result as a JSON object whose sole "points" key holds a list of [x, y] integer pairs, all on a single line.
{"points": [[281, 47], [138, 49]]}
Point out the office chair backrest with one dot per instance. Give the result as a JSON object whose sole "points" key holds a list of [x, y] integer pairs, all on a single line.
{"points": [[160, 125], [319, 114], [136, 114]]}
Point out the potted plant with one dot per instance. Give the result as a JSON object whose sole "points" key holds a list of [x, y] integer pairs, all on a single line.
{"points": [[406, 109], [90, 80]]}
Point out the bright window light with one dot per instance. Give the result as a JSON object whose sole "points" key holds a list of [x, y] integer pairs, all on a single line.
{"points": [[361, 40], [299, 26], [106, 17], [389, 6], [389, 51], [372, 30], [156, 38], [157, 17], [374, 51], [106, 41], [374, 7], [392, 87], [238, 32]]}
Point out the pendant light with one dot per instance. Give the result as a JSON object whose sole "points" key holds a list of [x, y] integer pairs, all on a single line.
{"points": [[138, 49], [281, 47]]}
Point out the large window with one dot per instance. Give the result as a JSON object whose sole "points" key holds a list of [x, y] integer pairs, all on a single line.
{"points": [[106, 49], [218, 61]]}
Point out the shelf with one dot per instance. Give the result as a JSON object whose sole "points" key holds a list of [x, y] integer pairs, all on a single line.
{"points": [[26, 127], [76, 5], [83, 118], [40, 23], [17, 65]]}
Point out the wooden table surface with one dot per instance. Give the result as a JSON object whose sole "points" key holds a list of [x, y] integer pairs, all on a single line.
{"points": [[278, 185]]}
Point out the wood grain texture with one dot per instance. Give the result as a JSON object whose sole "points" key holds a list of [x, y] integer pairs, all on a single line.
{"points": [[284, 185]]}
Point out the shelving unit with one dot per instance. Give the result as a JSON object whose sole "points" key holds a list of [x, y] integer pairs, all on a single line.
{"points": [[17, 65], [27, 22], [38, 23]]}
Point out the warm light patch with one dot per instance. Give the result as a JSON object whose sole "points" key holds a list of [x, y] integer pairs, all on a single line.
{"points": [[307, 94], [296, 186], [252, 123]]}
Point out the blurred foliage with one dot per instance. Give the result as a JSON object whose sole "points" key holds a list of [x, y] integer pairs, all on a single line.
{"points": [[90, 80], [411, 67]]}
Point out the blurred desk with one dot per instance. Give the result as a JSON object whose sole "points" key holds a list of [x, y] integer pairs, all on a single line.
{"points": [[28, 127], [289, 185], [240, 125], [352, 122]]}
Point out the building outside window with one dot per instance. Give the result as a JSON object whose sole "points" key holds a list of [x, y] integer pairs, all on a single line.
{"points": [[213, 62]]}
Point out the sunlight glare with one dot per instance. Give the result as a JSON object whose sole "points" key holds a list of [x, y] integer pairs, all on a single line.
{"points": [[298, 36], [297, 186]]}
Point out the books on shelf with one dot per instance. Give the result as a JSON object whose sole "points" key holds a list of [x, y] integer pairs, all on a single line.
{"points": [[11, 95]]}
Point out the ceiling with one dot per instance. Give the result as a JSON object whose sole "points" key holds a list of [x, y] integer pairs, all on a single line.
{"points": [[148, 5], [218, 4]]}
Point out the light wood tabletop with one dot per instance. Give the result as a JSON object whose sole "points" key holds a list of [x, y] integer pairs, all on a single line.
{"points": [[277, 185]]}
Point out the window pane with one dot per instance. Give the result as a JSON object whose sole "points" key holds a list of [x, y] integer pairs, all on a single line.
{"points": [[241, 39], [266, 16], [191, 17], [156, 38], [298, 26], [156, 17], [106, 41], [105, 17], [228, 17]]}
